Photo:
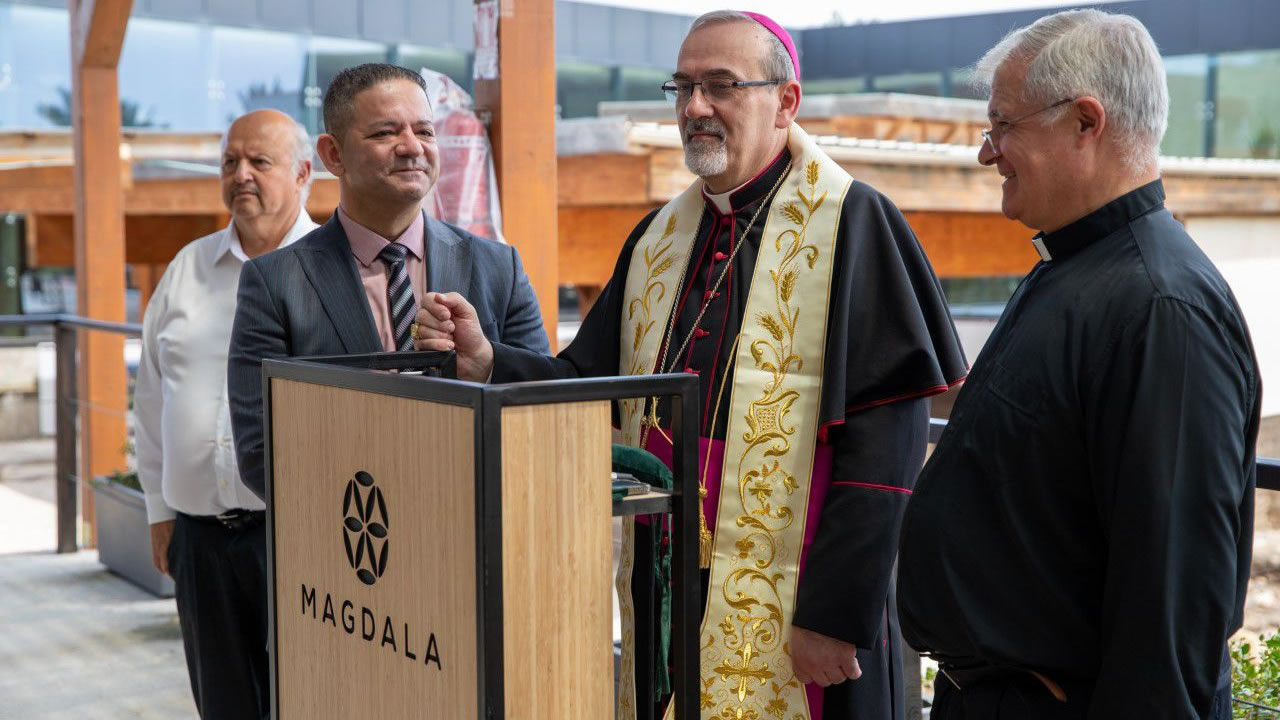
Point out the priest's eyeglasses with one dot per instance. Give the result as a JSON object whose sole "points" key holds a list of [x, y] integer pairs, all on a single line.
{"points": [[716, 90], [992, 135]]}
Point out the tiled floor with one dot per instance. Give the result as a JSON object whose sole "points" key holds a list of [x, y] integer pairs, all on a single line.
{"points": [[79, 642], [76, 642]]}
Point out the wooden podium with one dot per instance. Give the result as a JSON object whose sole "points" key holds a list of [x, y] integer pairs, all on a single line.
{"points": [[442, 549]]}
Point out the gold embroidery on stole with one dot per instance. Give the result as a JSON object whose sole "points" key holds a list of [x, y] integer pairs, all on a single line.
{"points": [[770, 440], [657, 265], [769, 447]]}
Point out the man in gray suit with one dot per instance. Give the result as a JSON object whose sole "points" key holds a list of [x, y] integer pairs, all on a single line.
{"points": [[354, 284]]}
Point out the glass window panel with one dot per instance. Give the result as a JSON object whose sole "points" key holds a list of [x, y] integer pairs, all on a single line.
{"points": [[166, 79], [1247, 111], [643, 83], [993, 290], [835, 86], [256, 69], [910, 83], [580, 87], [1187, 76], [453, 63], [965, 84], [326, 57], [35, 67]]}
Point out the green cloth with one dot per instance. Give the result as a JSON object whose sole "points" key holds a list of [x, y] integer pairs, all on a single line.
{"points": [[647, 468], [643, 464]]}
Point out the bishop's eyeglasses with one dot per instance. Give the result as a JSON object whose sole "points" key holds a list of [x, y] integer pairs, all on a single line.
{"points": [[714, 90]]}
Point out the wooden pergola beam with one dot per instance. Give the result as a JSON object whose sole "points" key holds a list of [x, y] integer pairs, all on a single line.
{"points": [[97, 37], [521, 103], [97, 31]]}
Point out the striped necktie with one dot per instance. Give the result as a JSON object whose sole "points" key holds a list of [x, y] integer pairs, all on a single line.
{"points": [[399, 294]]}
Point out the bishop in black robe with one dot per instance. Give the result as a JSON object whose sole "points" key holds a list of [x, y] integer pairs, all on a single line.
{"points": [[891, 344]]}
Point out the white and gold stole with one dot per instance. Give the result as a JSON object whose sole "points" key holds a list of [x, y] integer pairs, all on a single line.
{"points": [[770, 439]]}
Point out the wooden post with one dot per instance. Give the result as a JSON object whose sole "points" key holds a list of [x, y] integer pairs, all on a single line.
{"points": [[146, 276], [521, 102], [97, 36]]}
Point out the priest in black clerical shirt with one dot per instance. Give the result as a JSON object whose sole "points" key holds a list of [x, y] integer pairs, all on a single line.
{"points": [[805, 306], [1078, 545]]}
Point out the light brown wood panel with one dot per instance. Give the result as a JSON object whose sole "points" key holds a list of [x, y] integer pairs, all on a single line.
{"points": [[668, 176], [1212, 195], [958, 244], [35, 177], [37, 199], [590, 239], [522, 104], [973, 244], [99, 255], [180, 195], [155, 239], [603, 179], [557, 556], [149, 239], [203, 195], [145, 284], [421, 457], [97, 31]]}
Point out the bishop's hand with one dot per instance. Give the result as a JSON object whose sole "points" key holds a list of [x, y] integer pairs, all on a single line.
{"points": [[446, 321], [824, 660]]}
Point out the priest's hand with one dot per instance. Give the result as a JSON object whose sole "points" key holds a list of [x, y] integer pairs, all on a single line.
{"points": [[823, 660], [446, 321]]}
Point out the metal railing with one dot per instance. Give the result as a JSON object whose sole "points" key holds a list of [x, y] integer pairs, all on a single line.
{"points": [[67, 434]]}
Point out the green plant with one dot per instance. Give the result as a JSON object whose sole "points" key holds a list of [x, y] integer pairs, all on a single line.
{"points": [[131, 113], [127, 478], [1255, 676], [1263, 142]]}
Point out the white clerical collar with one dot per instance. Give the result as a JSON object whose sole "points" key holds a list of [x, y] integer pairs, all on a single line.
{"points": [[721, 200]]}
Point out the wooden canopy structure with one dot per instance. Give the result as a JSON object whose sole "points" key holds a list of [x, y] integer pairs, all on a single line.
{"points": [[103, 192], [171, 196]]}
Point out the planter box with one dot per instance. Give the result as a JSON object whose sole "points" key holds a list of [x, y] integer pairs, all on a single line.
{"points": [[124, 537]]}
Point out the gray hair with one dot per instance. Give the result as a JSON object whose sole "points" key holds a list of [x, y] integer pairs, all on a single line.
{"points": [[777, 62], [302, 152], [1107, 56]]}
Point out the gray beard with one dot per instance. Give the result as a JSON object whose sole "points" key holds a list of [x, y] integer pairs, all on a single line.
{"points": [[706, 163]]}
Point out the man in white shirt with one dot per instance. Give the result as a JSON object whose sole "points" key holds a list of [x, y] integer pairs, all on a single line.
{"points": [[206, 526]]}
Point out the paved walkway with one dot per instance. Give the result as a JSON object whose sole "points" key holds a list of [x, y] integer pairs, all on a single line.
{"points": [[75, 640]]}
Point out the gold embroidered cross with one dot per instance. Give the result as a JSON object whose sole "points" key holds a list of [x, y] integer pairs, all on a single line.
{"points": [[745, 672]]}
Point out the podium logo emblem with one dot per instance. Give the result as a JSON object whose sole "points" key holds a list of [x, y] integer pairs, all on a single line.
{"points": [[364, 528]]}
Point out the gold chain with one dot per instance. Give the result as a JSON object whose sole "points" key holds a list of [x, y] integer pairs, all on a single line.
{"points": [[650, 422], [706, 303]]}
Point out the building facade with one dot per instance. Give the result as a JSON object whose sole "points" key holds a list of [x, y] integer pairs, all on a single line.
{"points": [[192, 65]]}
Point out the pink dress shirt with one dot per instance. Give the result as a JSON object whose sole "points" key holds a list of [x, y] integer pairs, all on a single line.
{"points": [[365, 245]]}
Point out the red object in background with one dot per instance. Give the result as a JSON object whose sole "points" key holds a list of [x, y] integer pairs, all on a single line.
{"points": [[466, 193]]}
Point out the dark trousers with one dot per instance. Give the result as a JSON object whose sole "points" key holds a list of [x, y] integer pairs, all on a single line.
{"points": [[1020, 698], [220, 583], [1025, 698]]}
